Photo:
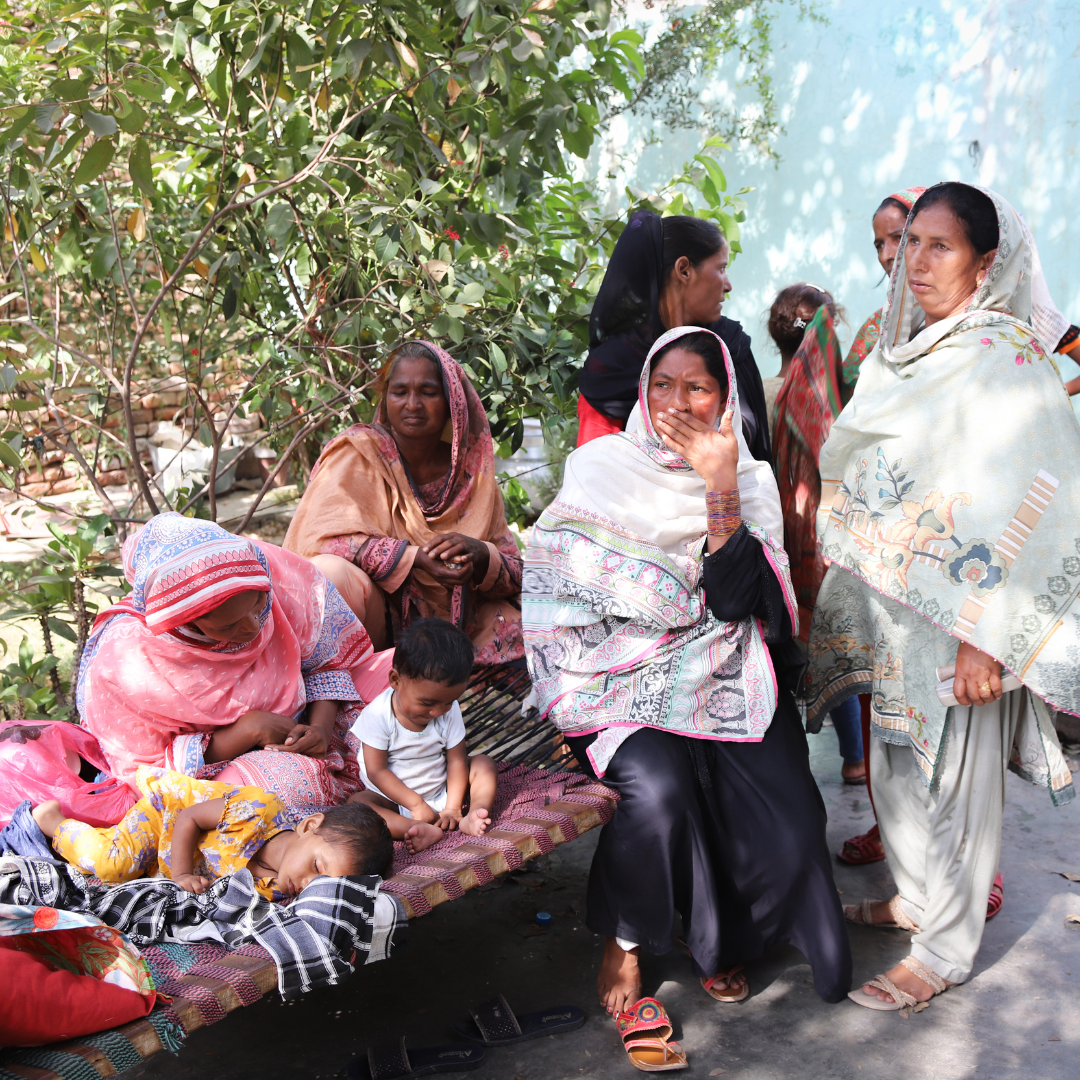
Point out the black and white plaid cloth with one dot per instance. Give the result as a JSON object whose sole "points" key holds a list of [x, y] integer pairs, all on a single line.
{"points": [[314, 941]]}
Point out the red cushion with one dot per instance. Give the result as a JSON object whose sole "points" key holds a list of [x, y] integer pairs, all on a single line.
{"points": [[39, 1005]]}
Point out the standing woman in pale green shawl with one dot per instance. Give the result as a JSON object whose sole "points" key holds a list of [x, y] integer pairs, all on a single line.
{"points": [[950, 514]]}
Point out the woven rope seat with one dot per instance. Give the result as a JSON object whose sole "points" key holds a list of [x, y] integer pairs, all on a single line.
{"points": [[543, 801]]}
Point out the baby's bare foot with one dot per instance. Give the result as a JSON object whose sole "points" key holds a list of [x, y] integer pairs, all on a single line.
{"points": [[476, 822], [421, 836], [48, 816]]}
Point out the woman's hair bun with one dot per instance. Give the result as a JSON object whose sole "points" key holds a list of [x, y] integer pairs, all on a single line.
{"points": [[787, 323]]}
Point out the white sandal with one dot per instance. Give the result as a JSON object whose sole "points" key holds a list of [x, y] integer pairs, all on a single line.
{"points": [[901, 999], [859, 914]]}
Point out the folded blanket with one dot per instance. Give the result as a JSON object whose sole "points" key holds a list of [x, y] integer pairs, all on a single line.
{"points": [[314, 941]]}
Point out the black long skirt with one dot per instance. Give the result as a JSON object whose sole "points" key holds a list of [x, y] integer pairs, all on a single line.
{"points": [[729, 836]]}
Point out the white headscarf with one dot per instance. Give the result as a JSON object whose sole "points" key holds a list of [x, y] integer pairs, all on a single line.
{"points": [[635, 479], [1014, 285]]}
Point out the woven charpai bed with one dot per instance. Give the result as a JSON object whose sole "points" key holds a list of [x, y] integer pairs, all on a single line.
{"points": [[542, 803]]}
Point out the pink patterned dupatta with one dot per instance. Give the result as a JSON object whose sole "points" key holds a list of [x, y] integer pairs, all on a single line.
{"points": [[154, 698]]}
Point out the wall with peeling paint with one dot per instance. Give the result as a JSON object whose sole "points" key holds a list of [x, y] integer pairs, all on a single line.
{"points": [[884, 97]]}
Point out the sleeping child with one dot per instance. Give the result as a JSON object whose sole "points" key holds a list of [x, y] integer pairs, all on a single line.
{"points": [[417, 773], [195, 831]]}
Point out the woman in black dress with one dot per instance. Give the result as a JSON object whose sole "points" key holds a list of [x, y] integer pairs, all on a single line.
{"points": [[658, 616], [663, 272]]}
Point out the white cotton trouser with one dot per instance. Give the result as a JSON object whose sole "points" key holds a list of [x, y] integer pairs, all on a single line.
{"points": [[943, 845]]}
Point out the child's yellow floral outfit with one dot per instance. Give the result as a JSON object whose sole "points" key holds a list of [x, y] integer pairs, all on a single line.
{"points": [[141, 844]]}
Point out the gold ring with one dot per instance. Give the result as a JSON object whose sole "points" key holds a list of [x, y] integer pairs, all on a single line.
{"points": [[986, 688]]}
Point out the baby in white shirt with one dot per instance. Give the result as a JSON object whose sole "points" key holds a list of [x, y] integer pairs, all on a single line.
{"points": [[417, 774]]}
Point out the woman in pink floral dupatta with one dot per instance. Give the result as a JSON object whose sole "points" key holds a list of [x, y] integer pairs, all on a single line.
{"points": [[232, 659]]}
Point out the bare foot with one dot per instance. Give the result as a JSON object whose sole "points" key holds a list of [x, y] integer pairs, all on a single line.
{"points": [[619, 981], [48, 816], [421, 836], [853, 772], [476, 822], [904, 980]]}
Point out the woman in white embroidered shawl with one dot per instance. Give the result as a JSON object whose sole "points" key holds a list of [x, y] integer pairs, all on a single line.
{"points": [[953, 545], [647, 636]]}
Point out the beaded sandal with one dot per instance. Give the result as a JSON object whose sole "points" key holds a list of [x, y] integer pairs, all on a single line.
{"points": [[646, 1032], [901, 999], [860, 915]]}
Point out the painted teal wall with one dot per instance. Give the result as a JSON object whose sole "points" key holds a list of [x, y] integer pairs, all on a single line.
{"points": [[885, 97]]}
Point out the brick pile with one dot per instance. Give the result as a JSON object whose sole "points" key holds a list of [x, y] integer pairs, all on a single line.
{"points": [[165, 398]]}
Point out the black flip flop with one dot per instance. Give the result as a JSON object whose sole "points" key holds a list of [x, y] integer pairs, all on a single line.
{"points": [[392, 1060], [494, 1023]]}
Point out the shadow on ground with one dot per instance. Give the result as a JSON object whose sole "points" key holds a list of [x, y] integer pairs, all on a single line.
{"points": [[1017, 1018]]}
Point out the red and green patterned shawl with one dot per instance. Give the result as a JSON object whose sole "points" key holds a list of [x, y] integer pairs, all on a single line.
{"points": [[806, 406], [861, 347]]}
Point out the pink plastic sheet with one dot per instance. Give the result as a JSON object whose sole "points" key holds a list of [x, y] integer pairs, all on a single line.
{"points": [[40, 760]]}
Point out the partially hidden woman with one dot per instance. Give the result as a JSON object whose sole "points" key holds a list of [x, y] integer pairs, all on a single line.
{"points": [[405, 515], [655, 587], [228, 654], [802, 323], [888, 224], [948, 517], [663, 272]]}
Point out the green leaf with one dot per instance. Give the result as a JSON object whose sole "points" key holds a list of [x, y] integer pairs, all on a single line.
{"points": [[228, 303], [356, 52], [9, 456], [140, 168], [45, 116], [464, 8], [61, 629], [279, 221], [101, 125], [134, 120], [270, 29], [22, 119], [145, 87], [67, 255], [385, 248], [95, 161], [472, 293], [714, 171], [104, 257]]}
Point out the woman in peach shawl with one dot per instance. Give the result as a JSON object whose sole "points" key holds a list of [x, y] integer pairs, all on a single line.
{"points": [[404, 515]]}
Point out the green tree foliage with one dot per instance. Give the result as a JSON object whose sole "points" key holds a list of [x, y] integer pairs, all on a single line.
{"points": [[267, 196], [691, 48]]}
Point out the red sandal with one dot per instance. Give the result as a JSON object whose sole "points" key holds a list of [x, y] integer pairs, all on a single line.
{"points": [[860, 850], [645, 1030], [730, 996], [997, 897]]}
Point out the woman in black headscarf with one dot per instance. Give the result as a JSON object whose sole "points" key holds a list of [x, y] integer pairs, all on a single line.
{"points": [[664, 272]]}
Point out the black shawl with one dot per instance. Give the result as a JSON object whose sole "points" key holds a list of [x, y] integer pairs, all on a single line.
{"points": [[625, 321]]}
